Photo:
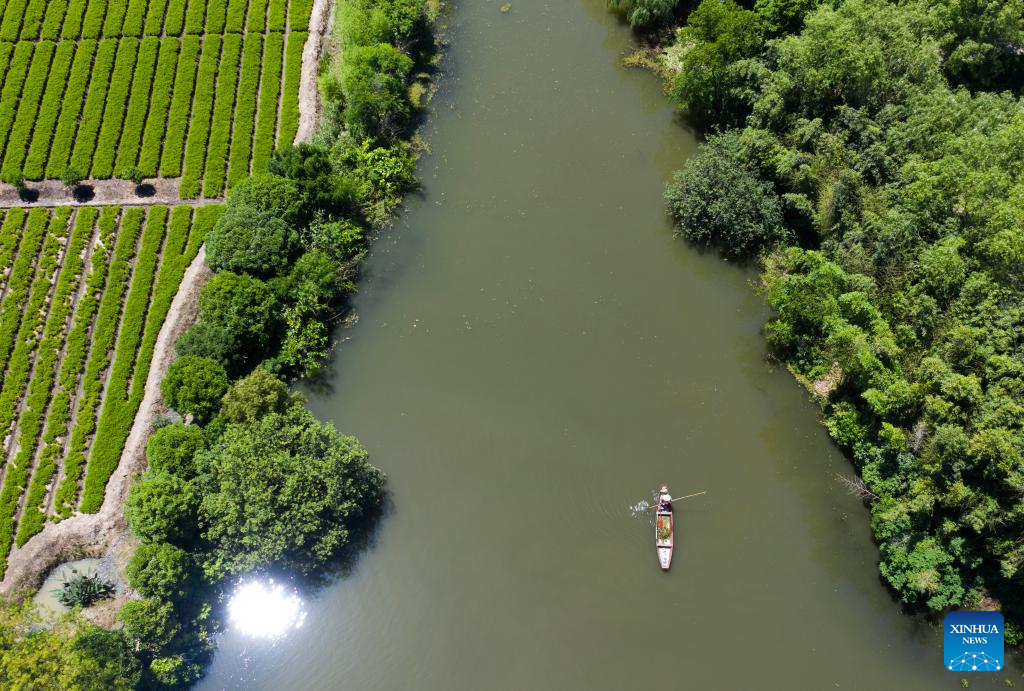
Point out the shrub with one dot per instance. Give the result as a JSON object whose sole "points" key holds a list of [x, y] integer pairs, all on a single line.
{"points": [[161, 508], [254, 396], [148, 623], [159, 570], [172, 449], [194, 385], [374, 80], [83, 589], [248, 240]]}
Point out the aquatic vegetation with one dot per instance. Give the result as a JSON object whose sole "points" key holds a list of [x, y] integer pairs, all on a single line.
{"points": [[83, 589]]}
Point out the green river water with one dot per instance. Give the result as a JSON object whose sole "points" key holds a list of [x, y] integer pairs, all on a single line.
{"points": [[534, 353]]}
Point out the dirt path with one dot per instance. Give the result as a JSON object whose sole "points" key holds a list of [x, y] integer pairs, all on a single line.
{"points": [[312, 52], [105, 193], [93, 534]]}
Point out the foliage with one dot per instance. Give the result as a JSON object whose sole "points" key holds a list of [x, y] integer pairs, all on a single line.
{"points": [[149, 623], [645, 13], [162, 508], [83, 589], [255, 396], [159, 570], [373, 80], [172, 449], [194, 385], [247, 239], [283, 491]]}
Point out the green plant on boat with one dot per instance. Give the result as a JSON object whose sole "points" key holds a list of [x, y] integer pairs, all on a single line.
{"points": [[664, 532], [83, 589]]}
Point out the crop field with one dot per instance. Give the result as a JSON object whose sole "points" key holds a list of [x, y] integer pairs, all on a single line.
{"points": [[196, 89], [84, 294]]}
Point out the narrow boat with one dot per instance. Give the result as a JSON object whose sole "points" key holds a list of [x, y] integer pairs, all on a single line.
{"points": [[664, 529]]}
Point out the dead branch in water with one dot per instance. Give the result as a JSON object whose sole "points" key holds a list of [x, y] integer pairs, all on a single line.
{"points": [[856, 487]]}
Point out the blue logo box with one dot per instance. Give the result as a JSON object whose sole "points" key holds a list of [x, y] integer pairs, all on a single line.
{"points": [[973, 641]]}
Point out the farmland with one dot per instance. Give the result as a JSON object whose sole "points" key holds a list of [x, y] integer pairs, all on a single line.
{"points": [[84, 296], [196, 89]]}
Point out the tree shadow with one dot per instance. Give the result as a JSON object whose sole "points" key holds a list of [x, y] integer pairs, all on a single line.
{"points": [[83, 193], [28, 195], [145, 189]]}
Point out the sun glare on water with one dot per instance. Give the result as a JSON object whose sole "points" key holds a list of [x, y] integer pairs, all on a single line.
{"points": [[263, 609]]}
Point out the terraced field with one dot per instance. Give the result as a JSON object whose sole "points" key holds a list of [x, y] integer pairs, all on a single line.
{"points": [[85, 292], [196, 89]]}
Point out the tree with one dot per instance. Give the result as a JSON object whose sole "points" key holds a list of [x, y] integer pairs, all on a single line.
{"points": [[162, 508], [340, 240], [645, 13], [159, 570], [194, 385], [246, 239], [133, 173], [278, 196], [255, 396], [779, 17], [283, 491], [110, 651], [211, 341], [373, 80], [717, 200], [149, 623], [71, 178], [172, 449], [246, 307]]}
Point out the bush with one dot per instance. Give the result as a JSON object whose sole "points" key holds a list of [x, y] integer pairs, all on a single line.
{"points": [[159, 570], [339, 240], [211, 341], [717, 200], [194, 385], [243, 305], [258, 394], [148, 623], [374, 81], [162, 508], [172, 449], [272, 194], [249, 240], [83, 589]]}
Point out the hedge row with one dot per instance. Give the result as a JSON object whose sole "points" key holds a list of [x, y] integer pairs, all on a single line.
{"points": [[270, 89], [224, 108], [155, 18], [55, 13], [195, 18], [298, 14], [156, 120], [277, 15], [13, 81], [10, 27], [38, 397], [199, 125], [235, 22], [134, 18], [117, 414], [72, 27], [71, 105], [292, 76], [115, 17], [103, 336], [12, 309], [138, 104], [49, 109], [245, 111], [75, 347], [92, 25], [181, 109], [174, 24], [180, 248], [19, 366], [88, 128], [257, 16], [28, 106], [10, 231], [117, 99], [33, 20]]}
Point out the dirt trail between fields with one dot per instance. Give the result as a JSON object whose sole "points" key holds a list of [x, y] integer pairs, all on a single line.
{"points": [[93, 534], [103, 193], [320, 22]]}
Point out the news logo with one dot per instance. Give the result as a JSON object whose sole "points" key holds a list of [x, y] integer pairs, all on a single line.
{"points": [[973, 641]]}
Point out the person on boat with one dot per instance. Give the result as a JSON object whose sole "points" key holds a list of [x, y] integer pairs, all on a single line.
{"points": [[665, 500]]}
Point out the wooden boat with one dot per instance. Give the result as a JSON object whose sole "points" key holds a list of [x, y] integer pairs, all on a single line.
{"points": [[664, 525]]}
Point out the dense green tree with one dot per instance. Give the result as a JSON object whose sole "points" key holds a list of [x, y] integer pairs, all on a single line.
{"points": [[340, 240], [194, 385], [272, 194], [247, 239], [374, 82], [172, 449], [283, 491], [645, 13], [162, 508], [159, 570], [212, 341], [111, 653], [780, 17], [717, 200], [246, 307], [149, 623], [255, 396]]}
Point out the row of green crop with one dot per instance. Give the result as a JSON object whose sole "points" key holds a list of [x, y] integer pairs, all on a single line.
{"points": [[12, 309], [19, 365], [270, 90], [103, 336], [31, 95], [135, 115], [180, 112], [245, 113], [84, 135], [14, 79], [10, 26], [163, 88], [199, 126], [56, 85], [10, 231], [292, 76], [277, 15], [115, 414], [75, 348], [223, 111], [128, 55], [30, 422], [121, 406], [64, 135]]}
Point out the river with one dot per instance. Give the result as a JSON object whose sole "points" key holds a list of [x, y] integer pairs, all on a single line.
{"points": [[534, 353]]}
